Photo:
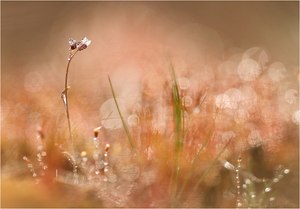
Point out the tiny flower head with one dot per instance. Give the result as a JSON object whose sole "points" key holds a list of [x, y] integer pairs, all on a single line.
{"points": [[80, 45], [72, 43], [84, 43]]}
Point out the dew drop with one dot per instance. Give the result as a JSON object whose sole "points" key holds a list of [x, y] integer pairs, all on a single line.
{"points": [[133, 120], [223, 101], [96, 156], [258, 54], [268, 189], [277, 71], [248, 181], [83, 153], [40, 148], [183, 83], [196, 111], [272, 199], [296, 117], [187, 101], [96, 142], [235, 96], [84, 159], [248, 69], [228, 165]]}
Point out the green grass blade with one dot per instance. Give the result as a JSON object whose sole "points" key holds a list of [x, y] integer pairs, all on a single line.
{"points": [[130, 139], [178, 122], [177, 111], [205, 173]]}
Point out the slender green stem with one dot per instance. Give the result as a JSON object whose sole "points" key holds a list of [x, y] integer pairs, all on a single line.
{"points": [[130, 139], [204, 174], [210, 166], [195, 159], [178, 121]]}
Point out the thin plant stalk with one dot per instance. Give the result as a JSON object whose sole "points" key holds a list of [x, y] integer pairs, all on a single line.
{"points": [[205, 173], [130, 139], [178, 122], [65, 99], [195, 159], [75, 46]]}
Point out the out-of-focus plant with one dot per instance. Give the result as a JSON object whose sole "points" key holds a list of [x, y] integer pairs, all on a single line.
{"points": [[175, 162]]}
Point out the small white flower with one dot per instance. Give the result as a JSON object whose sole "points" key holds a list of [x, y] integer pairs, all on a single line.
{"points": [[84, 43], [72, 43], [80, 45]]}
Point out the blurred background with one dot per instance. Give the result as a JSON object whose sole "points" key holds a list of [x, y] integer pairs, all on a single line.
{"points": [[132, 42]]}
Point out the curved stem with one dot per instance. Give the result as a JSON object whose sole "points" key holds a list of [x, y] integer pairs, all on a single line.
{"points": [[65, 99]]}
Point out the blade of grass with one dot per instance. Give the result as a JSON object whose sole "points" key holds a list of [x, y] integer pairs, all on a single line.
{"points": [[178, 122], [204, 174], [130, 139], [195, 159]]}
